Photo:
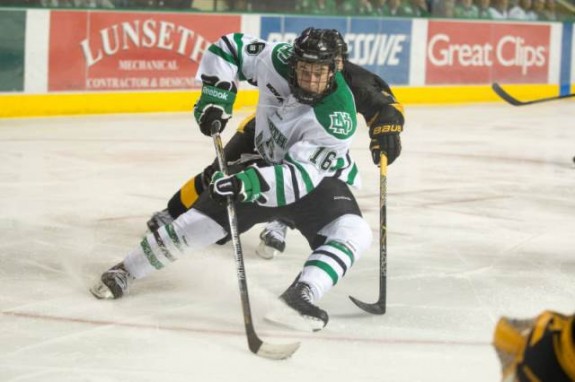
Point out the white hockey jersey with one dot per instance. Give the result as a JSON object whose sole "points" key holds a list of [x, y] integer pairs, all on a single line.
{"points": [[302, 144]]}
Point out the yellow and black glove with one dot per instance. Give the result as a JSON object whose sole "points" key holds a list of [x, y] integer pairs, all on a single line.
{"points": [[537, 349], [384, 130]]}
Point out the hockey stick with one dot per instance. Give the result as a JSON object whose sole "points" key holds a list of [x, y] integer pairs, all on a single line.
{"points": [[378, 307], [256, 345], [515, 102]]}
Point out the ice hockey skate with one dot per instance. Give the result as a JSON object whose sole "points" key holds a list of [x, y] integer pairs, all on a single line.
{"points": [[272, 240], [159, 219], [298, 311], [113, 283]]}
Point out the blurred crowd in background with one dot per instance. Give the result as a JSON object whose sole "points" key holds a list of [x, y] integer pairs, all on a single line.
{"points": [[526, 10]]}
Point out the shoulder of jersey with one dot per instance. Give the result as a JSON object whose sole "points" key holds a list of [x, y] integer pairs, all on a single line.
{"points": [[336, 112], [281, 53]]}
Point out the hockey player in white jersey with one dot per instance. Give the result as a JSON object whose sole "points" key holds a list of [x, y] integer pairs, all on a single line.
{"points": [[374, 100], [305, 122]]}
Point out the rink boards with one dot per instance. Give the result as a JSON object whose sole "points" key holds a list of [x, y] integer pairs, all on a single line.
{"points": [[76, 62]]}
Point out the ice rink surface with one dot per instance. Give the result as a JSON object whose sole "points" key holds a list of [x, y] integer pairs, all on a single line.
{"points": [[481, 222]]}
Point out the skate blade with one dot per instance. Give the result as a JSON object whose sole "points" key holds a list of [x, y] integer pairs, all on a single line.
{"points": [[266, 252], [287, 317], [101, 291]]}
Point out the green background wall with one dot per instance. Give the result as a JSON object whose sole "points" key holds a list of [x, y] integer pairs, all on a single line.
{"points": [[12, 44]]}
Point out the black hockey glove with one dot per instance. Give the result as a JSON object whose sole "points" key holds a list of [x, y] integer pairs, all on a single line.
{"points": [[215, 104], [208, 174], [384, 129], [391, 148], [245, 186]]}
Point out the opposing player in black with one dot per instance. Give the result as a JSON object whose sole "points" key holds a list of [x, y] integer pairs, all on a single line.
{"points": [[374, 100], [538, 349]]}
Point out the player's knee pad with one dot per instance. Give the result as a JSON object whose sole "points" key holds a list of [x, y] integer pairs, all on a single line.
{"points": [[352, 229], [197, 230]]}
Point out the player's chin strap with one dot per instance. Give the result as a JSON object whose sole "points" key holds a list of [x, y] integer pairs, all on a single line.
{"points": [[378, 307], [256, 345]]}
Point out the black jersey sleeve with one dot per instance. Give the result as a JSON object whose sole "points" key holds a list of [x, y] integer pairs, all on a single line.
{"points": [[370, 91]]}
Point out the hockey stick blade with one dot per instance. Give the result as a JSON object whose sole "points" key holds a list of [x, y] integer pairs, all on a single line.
{"points": [[274, 351], [375, 308], [515, 102]]}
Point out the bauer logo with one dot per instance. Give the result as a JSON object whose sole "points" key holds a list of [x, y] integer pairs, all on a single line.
{"points": [[381, 46], [487, 52]]}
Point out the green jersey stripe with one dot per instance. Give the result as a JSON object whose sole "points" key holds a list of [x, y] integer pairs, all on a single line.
{"points": [[240, 48], [324, 267], [343, 248], [352, 174], [340, 163], [173, 236], [220, 53], [152, 259], [334, 257], [162, 247], [304, 175], [280, 190]]}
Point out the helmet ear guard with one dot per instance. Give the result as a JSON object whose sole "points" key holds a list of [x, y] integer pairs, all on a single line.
{"points": [[313, 46]]}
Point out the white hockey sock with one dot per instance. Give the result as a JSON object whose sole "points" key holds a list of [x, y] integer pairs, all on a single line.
{"points": [[347, 238], [191, 231]]}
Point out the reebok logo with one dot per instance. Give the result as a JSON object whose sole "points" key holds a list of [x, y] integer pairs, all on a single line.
{"points": [[214, 92], [342, 198]]}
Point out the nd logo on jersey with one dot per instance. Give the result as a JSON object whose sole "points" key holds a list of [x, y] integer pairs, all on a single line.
{"points": [[284, 53], [341, 123]]}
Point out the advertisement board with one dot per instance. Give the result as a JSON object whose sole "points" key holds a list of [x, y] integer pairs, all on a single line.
{"points": [[12, 45], [486, 52], [379, 45], [97, 51], [566, 70]]}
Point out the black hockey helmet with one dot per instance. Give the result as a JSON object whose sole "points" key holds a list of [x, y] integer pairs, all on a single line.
{"points": [[318, 48], [339, 42]]}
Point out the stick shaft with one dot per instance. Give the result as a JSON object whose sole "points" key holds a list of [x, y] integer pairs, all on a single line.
{"points": [[255, 344], [515, 102], [383, 229]]}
